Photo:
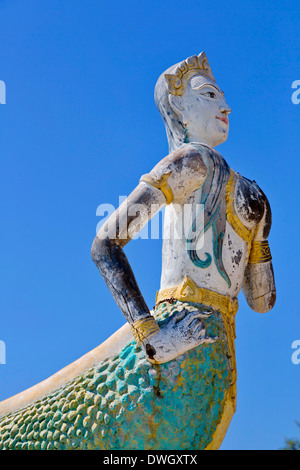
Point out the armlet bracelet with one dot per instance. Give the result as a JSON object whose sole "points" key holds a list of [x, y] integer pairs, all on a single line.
{"points": [[162, 184], [260, 252], [144, 329]]}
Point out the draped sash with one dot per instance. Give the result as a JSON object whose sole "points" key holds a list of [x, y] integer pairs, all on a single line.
{"points": [[213, 203]]}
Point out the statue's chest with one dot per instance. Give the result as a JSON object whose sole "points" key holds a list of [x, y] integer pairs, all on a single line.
{"points": [[243, 201]]}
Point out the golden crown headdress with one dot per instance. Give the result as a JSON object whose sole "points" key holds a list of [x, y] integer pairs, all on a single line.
{"points": [[194, 65]]}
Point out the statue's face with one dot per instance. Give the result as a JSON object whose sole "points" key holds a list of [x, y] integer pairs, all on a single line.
{"points": [[204, 111]]}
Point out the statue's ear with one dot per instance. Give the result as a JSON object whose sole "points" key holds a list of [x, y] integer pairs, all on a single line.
{"points": [[176, 103]]}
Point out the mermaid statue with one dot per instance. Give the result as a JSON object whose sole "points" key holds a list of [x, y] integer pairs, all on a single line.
{"points": [[167, 378]]}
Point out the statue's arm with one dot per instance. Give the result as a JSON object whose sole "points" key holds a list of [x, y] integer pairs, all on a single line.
{"points": [[259, 284], [108, 254]]}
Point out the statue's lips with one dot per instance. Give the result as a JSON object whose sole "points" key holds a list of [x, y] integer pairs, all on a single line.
{"points": [[224, 119]]}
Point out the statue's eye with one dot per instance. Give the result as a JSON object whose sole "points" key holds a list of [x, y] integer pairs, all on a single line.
{"points": [[211, 94]]}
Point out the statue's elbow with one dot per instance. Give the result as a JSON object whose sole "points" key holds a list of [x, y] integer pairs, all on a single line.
{"points": [[102, 249], [265, 303], [98, 249]]}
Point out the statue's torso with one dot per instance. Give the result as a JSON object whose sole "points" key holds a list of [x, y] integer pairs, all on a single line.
{"points": [[242, 211]]}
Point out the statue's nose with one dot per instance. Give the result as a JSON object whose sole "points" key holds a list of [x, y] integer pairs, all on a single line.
{"points": [[225, 110]]}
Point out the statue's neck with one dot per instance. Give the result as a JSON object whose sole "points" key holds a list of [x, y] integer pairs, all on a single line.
{"points": [[176, 143]]}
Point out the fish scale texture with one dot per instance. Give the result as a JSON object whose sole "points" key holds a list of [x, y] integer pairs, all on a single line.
{"points": [[127, 403]]}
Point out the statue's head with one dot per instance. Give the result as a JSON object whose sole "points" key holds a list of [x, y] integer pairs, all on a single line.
{"points": [[191, 103]]}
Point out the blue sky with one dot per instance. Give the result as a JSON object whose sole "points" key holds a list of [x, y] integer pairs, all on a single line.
{"points": [[80, 127]]}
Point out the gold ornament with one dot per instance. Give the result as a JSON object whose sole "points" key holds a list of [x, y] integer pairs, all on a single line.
{"points": [[188, 291], [145, 328], [162, 184], [260, 252], [194, 65]]}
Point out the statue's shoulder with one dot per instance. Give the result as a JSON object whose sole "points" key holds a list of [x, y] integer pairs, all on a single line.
{"points": [[185, 159], [184, 168], [251, 189]]}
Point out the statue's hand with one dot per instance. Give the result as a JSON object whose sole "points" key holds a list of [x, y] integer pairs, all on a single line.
{"points": [[184, 331]]}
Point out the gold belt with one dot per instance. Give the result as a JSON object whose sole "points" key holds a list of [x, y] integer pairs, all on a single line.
{"points": [[188, 291]]}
